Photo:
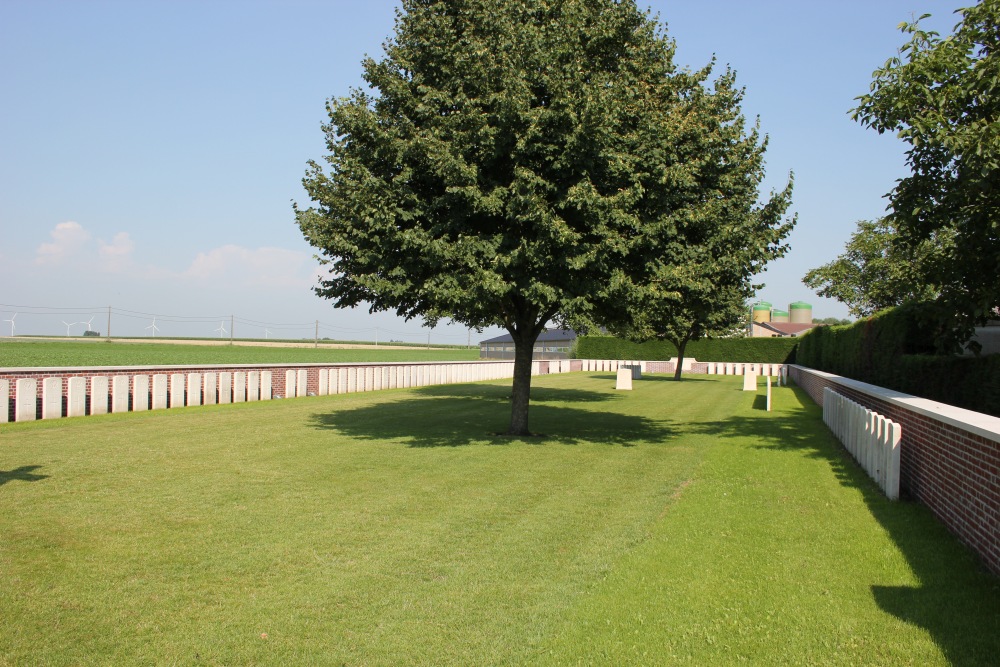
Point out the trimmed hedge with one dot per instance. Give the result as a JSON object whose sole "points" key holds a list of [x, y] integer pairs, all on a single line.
{"points": [[894, 349], [749, 350]]}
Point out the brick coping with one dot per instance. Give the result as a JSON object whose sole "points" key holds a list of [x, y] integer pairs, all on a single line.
{"points": [[981, 424]]}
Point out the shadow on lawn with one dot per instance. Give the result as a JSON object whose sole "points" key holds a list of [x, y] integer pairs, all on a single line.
{"points": [[457, 415], [22, 474], [957, 601]]}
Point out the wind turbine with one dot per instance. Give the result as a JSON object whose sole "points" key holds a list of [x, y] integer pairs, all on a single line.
{"points": [[69, 324], [11, 320], [88, 322], [267, 332], [153, 327], [222, 329]]}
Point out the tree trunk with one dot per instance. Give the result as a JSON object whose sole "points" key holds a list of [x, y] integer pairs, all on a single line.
{"points": [[680, 345], [521, 387]]}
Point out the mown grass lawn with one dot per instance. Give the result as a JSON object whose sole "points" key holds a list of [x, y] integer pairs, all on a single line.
{"points": [[41, 353], [676, 524]]}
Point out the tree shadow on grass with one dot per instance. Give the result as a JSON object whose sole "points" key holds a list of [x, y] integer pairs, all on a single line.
{"points": [[458, 415], [22, 474], [501, 393], [957, 601]]}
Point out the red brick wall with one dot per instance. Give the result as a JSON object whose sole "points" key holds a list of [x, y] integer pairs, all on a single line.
{"points": [[952, 469]]}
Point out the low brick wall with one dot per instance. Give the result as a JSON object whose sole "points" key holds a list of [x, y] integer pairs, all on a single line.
{"points": [[949, 457]]}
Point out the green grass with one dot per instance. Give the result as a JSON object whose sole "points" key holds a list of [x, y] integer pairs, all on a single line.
{"points": [[676, 524], [24, 354]]}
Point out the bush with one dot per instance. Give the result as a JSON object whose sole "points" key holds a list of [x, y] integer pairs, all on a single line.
{"points": [[750, 350], [896, 349]]}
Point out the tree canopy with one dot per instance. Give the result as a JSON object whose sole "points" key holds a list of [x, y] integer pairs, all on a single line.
{"points": [[875, 271], [940, 95], [511, 163], [710, 234]]}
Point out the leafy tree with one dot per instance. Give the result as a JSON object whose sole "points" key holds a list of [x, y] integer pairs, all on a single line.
{"points": [[940, 95], [875, 272], [709, 233], [832, 321], [493, 170]]}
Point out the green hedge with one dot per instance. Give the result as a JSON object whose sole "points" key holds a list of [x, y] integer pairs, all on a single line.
{"points": [[895, 349], [750, 350]]}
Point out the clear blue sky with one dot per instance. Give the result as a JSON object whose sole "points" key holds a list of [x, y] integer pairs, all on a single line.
{"points": [[150, 150]]}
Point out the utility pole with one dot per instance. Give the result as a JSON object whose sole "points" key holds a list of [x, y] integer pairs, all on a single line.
{"points": [[316, 341], [232, 327], [109, 322], [376, 336]]}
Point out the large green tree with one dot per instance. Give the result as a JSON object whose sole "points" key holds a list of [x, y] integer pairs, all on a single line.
{"points": [[489, 171], [940, 94], [875, 271]]}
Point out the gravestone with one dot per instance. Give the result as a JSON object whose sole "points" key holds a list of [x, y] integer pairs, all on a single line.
{"points": [[159, 391], [25, 400], [76, 397], [194, 389], [750, 381], [210, 384], [99, 395], [119, 393], [51, 398], [140, 393], [176, 390], [624, 379], [253, 384], [225, 387], [265, 385]]}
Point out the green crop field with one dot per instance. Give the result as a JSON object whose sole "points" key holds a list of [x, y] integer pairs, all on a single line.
{"points": [[23, 354], [679, 523]]}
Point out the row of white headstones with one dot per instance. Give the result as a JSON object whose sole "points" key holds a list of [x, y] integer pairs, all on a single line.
{"points": [[99, 394]]}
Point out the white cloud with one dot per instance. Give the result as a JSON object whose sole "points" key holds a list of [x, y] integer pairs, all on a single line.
{"points": [[117, 255], [256, 267], [68, 238]]}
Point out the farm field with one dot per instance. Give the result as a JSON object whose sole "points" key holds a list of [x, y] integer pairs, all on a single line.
{"points": [[23, 354], [678, 523]]}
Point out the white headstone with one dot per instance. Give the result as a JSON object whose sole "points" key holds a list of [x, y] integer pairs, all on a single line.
{"points": [[194, 389], [750, 382], [210, 386], [253, 384], [159, 391], [5, 395], [768, 393], [624, 380], [119, 393], [290, 381], [239, 386], [302, 382], [323, 388], [225, 387], [265, 385], [99, 395], [177, 381], [76, 397], [140, 393], [52, 398], [26, 400]]}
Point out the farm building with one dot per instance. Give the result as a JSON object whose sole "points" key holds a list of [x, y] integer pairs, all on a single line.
{"points": [[554, 344]]}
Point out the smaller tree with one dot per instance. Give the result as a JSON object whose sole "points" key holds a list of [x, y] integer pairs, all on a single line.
{"points": [[939, 95], [876, 271], [713, 232]]}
